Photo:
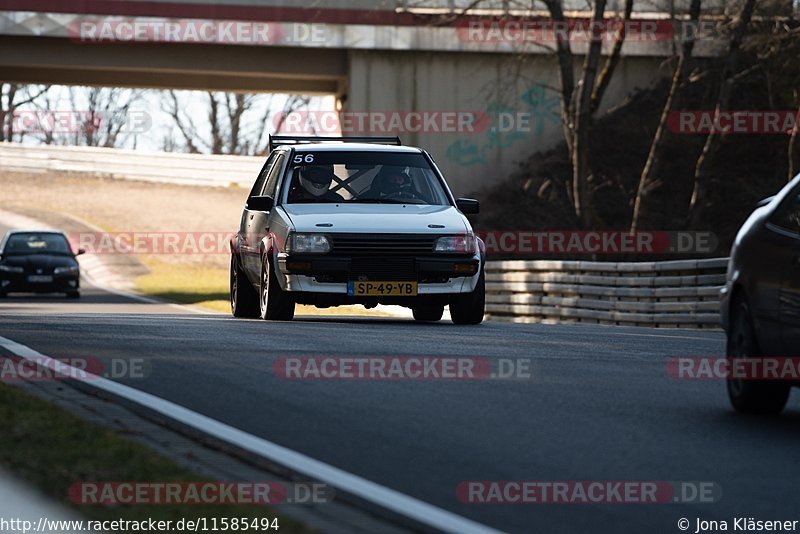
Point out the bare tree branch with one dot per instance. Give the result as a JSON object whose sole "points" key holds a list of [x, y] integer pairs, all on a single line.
{"points": [[184, 124], [790, 151], [699, 193], [647, 183], [582, 121], [611, 63]]}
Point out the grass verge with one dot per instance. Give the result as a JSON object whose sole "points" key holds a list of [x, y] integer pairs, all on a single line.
{"points": [[53, 449], [186, 284]]}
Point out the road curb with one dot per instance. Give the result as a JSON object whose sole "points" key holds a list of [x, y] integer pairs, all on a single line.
{"points": [[378, 500]]}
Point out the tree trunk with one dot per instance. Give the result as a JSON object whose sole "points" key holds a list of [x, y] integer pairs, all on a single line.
{"points": [[651, 166], [790, 151], [700, 189], [611, 63], [565, 69], [7, 124], [582, 122]]}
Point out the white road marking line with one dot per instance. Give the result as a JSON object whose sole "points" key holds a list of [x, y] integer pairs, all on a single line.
{"points": [[382, 496]]}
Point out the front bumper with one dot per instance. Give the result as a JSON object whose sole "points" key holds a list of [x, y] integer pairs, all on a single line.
{"points": [[446, 275], [18, 283]]}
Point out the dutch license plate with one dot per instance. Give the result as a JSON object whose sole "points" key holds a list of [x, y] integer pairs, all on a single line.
{"points": [[40, 279], [382, 289]]}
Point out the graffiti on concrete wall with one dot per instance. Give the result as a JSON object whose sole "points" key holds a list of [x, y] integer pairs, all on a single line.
{"points": [[529, 116]]}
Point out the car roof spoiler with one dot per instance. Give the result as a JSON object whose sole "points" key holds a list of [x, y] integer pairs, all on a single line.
{"points": [[279, 140]]}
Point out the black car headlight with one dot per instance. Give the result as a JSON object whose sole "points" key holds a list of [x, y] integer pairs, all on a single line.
{"points": [[73, 269], [308, 244], [11, 269]]}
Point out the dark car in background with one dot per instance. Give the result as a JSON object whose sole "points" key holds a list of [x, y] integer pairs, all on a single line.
{"points": [[760, 305], [38, 262]]}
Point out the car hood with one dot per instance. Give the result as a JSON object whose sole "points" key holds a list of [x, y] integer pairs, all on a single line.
{"points": [[377, 218], [45, 262]]}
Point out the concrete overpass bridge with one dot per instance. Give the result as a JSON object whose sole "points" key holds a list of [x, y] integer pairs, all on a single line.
{"points": [[387, 56]]}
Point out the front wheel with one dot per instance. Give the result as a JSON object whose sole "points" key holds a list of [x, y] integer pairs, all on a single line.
{"points": [[244, 299], [747, 395], [276, 304], [469, 308], [74, 295]]}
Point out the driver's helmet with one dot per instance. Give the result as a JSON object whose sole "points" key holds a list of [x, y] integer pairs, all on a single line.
{"points": [[316, 180], [392, 180]]}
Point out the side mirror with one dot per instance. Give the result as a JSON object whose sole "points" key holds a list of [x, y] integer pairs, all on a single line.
{"points": [[468, 206], [264, 203], [81, 251]]}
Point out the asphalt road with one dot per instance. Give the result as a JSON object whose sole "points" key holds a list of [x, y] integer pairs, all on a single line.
{"points": [[599, 406]]}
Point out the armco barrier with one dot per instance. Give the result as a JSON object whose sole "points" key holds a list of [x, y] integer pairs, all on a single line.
{"points": [[189, 169], [681, 293]]}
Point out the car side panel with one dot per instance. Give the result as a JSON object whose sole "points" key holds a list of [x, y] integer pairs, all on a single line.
{"points": [[258, 224], [280, 225], [762, 272], [790, 303]]}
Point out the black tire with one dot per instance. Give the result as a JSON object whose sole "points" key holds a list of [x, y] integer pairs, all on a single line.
{"points": [[751, 396], [469, 308], [244, 298], [275, 304], [74, 295], [428, 312]]}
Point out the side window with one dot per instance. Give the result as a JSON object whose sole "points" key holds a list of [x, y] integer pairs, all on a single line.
{"points": [[787, 216], [273, 177], [262, 177]]}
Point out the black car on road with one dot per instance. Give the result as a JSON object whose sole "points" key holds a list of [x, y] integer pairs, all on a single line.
{"points": [[38, 262], [760, 304]]}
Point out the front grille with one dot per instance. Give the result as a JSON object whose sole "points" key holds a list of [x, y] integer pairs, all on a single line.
{"points": [[382, 244], [383, 269]]}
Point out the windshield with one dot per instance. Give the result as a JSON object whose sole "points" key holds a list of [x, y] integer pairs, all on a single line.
{"points": [[363, 177], [33, 243]]}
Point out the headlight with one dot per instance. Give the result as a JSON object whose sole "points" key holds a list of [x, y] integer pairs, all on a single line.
{"points": [[459, 244], [66, 270], [308, 244], [11, 269]]}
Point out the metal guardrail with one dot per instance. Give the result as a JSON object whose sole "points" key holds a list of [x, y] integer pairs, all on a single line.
{"points": [[189, 169], [681, 293]]}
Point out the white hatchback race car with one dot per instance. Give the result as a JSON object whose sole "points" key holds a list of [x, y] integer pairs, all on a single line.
{"points": [[335, 221]]}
